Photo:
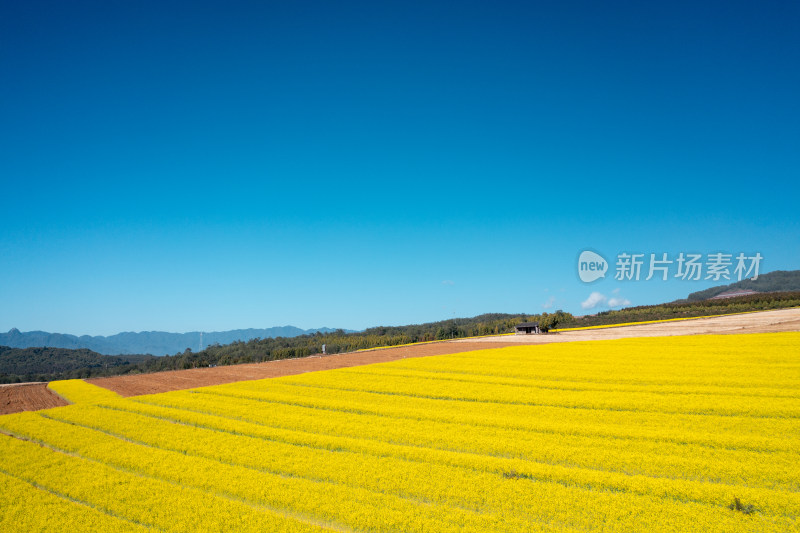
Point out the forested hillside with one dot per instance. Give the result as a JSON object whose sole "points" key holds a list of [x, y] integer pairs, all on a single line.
{"points": [[149, 342], [48, 364], [777, 281]]}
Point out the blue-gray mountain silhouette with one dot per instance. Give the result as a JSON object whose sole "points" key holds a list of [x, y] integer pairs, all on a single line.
{"points": [[146, 342]]}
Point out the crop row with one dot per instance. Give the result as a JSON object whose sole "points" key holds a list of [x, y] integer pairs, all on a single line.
{"points": [[596, 452], [79, 391], [28, 507], [151, 502], [240, 472], [729, 360], [429, 387], [711, 430]]}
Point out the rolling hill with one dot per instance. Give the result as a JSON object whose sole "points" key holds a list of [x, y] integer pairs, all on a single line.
{"points": [[777, 281], [146, 342]]}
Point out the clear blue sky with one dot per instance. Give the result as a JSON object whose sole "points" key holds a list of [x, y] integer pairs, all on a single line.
{"points": [[207, 166]]}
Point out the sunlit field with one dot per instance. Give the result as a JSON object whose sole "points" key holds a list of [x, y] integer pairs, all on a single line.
{"points": [[79, 391], [698, 433]]}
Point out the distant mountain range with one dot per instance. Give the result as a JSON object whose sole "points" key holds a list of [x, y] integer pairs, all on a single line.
{"points": [[777, 281], [147, 342]]}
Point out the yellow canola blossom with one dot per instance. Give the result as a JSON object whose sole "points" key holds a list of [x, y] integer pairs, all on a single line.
{"points": [[658, 434], [79, 391], [151, 502], [606, 449], [542, 468], [196, 463], [26, 507]]}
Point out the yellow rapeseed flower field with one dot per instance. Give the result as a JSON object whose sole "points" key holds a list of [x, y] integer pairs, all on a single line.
{"points": [[79, 391], [697, 433]]}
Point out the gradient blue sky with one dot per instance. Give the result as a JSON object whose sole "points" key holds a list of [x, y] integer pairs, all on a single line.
{"points": [[207, 166]]}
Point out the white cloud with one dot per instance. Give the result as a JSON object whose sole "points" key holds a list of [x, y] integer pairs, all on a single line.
{"points": [[594, 300], [549, 303], [448, 282], [615, 291], [597, 299], [618, 302]]}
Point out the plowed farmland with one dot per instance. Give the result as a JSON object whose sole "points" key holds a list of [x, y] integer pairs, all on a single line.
{"points": [[694, 433], [27, 397]]}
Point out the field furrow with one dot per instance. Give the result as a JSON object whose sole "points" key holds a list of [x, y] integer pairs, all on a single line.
{"points": [[193, 461], [707, 430], [18, 498], [705, 491], [608, 453], [136, 498], [780, 407]]}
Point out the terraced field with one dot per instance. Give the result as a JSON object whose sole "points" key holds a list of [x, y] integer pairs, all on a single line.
{"points": [[646, 434]]}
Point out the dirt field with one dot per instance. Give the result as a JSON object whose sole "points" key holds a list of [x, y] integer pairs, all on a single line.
{"points": [[27, 397], [33, 396]]}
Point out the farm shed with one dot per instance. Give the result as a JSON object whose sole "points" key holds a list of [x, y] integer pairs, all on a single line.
{"points": [[527, 328]]}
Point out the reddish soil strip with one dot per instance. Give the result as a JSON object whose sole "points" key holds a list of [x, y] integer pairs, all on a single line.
{"points": [[202, 377], [28, 397]]}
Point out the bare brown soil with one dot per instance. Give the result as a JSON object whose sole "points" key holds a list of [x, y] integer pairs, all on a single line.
{"points": [[28, 397], [201, 377], [33, 396]]}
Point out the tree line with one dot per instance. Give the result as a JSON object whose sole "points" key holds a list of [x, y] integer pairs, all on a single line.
{"points": [[48, 364]]}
